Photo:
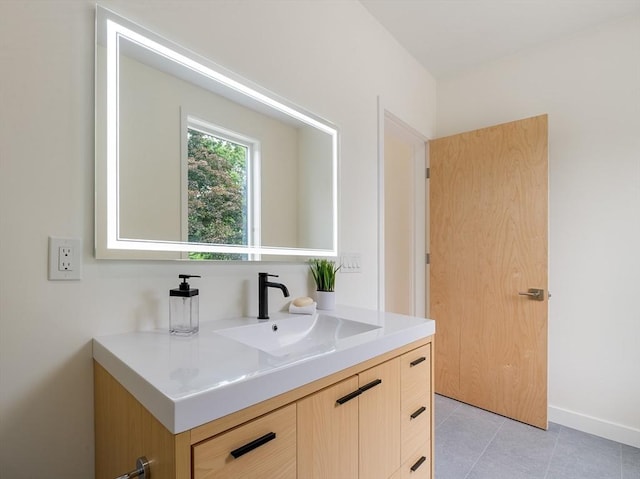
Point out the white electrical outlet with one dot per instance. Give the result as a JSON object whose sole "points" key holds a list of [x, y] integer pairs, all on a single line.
{"points": [[65, 258]]}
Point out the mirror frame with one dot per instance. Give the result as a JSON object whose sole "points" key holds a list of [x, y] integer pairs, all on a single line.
{"points": [[110, 27]]}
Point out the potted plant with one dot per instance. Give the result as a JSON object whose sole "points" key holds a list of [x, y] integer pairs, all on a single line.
{"points": [[324, 274]]}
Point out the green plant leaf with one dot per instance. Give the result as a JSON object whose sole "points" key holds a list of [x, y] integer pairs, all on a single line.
{"points": [[324, 273]]}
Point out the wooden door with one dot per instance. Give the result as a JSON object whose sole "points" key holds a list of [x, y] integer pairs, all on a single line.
{"points": [[488, 241]]}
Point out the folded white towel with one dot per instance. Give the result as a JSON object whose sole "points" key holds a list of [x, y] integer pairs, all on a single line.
{"points": [[308, 309]]}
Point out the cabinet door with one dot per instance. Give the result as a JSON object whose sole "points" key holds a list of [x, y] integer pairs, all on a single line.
{"points": [[328, 432], [416, 400], [379, 423], [397, 474], [264, 447]]}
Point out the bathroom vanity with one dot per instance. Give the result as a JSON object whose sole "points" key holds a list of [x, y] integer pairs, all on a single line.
{"points": [[343, 394]]}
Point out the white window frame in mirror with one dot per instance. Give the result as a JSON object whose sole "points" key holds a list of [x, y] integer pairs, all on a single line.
{"points": [[191, 121], [117, 27]]}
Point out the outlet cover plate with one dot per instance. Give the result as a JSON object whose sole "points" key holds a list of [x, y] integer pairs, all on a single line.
{"points": [[351, 263], [65, 259]]}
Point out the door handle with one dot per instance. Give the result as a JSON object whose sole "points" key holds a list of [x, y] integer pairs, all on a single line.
{"points": [[534, 293], [142, 470]]}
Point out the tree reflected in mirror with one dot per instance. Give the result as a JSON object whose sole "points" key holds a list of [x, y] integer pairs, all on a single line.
{"points": [[217, 193]]}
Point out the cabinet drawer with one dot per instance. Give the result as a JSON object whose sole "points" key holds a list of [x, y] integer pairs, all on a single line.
{"points": [[418, 466], [415, 400], [264, 447]]}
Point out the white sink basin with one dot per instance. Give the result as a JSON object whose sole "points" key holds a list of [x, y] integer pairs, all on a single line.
{"points": [[297, 336]]}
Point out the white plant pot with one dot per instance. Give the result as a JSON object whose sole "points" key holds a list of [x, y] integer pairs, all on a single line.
{"points": [[326, 300]]}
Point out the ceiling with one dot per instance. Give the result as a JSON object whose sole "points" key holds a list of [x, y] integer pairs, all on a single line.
{"points": [[449, 36]]}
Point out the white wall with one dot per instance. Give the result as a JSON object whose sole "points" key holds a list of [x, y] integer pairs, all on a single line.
{"points": [[306, 51], [589, 85]]}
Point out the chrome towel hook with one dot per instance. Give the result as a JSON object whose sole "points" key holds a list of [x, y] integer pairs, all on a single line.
{"points": [[141, 470]]}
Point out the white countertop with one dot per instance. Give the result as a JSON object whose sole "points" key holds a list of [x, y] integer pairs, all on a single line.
{"points": [[188, 381]]}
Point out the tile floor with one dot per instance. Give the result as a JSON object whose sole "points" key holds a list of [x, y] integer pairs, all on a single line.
{"points": [[476, 444]]}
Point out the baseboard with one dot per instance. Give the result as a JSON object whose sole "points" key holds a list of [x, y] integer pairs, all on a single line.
{"points": [[593, 425]]}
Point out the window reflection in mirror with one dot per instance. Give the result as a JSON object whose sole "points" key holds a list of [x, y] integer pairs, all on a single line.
{"points": [[218, 190]]}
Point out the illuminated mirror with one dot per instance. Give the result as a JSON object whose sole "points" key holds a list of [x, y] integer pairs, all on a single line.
{"points": [[194, 162]]}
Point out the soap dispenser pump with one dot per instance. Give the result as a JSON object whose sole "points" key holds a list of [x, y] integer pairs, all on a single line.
{"points": [[183, 308]]}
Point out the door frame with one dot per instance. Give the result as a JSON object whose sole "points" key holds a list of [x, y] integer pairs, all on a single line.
{"points": [[420, 236]]}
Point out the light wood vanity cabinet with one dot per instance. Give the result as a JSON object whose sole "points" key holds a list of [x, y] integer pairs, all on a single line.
{"points": [[363, 422]]}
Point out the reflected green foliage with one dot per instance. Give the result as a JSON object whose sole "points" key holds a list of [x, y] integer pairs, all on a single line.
{"points": [[217, 199], [218, 256]]}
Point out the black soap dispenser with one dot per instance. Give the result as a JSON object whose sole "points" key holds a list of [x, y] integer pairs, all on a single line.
{"points": [[183, 308]]}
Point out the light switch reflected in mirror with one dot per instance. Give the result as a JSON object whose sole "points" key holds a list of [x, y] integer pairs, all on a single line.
{"points": [[194, 162]]}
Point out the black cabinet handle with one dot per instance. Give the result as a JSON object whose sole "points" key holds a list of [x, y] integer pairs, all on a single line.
{"points": [[415, 467], [370, 385], [358, 391], [418, 412], [415, 362], [349, 397], [242, 450]]}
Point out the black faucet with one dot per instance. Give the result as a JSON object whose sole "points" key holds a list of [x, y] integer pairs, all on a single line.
{"points": [[263, 293]]}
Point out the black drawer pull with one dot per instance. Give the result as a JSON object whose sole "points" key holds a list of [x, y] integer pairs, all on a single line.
{"points": [[359, 391], [242, 450], [349, 397], [415, 467], [415, 362], [370, 385], [418, 412]]}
